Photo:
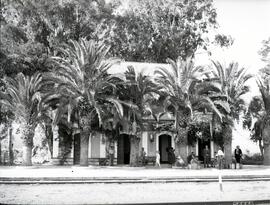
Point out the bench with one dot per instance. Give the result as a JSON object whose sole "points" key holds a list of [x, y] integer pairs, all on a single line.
{"points": [[103, 161], [151, 159]]}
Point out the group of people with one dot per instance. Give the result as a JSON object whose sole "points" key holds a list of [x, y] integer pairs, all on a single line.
{"points": [[193, 161], [171, 157]]}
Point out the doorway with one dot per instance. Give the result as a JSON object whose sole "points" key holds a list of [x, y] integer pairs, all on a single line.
{"points": [[201, 146], [77, 146], [165, 141], [123, 149]]}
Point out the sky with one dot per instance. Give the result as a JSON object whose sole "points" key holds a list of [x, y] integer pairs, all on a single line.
{"points": [[248, 23]]}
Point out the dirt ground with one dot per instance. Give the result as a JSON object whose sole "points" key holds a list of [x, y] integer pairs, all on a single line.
{"points": [[134, 193]]}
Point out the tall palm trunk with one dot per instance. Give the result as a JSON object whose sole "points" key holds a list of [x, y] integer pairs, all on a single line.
{"points": [[10, 146], [266, 156], [261, 147], [49, 136], [181, 138], [183, 144], [85, 131], [266, 142], [84, 143], [0, 151], [134, 150], [28, 133], [227, 136]]}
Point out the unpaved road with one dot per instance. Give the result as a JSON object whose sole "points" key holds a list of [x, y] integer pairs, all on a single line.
{"points": [[133, 193]]}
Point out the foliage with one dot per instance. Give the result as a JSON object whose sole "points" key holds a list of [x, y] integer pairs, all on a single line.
{"points": [[255, 159], [265, 55], [186, 91], [22, 97], [223, 40], [81, 77], [233, 81], [139, 89], [144, 31], [253, 118], [196, 131], [30, 30]]}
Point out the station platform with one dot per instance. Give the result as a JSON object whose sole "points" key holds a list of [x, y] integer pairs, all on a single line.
{"points": [[126, 174]]}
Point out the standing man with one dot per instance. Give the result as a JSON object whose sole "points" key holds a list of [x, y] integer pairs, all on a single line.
{"points": [[206, 156], [190, 158], [111, 154], [143, 156], [171, 156], [220, 156], [238, 156]]}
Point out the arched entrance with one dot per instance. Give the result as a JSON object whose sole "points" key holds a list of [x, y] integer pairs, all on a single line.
{"points": [[165, 141], [123, 149]]}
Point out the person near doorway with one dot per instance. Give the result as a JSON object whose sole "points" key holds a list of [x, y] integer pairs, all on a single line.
{"points": [[111, 154], [220, 156], [238, 156], [190, 158], [179, 162], [206, 157], [157, 159], [143, 156], [171, 156]]}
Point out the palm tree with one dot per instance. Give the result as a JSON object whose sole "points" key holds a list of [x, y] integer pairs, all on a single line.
{"points": [[137, 91], [185, 92], [233, 85], [80, 75], [264, 87], [22, 97]]}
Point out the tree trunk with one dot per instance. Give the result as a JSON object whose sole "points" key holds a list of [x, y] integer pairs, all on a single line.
{"points": [[27, 154], [134, 151], [266, 158], [65, 143], [49, 137], [0, 151], [10, 147], [227, 134], [266, 142], [261, 147], [182, 131], [28, 135], [183, 144], [84, 142], [85, 130]]}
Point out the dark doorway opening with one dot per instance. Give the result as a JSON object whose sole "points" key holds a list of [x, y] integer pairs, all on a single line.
{"points": [[165, 141], [201, 145], [123, 149], [76, 153]]}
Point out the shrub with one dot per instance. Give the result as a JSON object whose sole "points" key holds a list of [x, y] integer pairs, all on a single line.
{"points": [[255, 159]]}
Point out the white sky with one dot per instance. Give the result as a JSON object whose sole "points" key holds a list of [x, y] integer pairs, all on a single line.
{"points": [[248, 22]]}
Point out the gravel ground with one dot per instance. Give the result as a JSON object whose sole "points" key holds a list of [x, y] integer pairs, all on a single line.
{"points": [[133, 193]]}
